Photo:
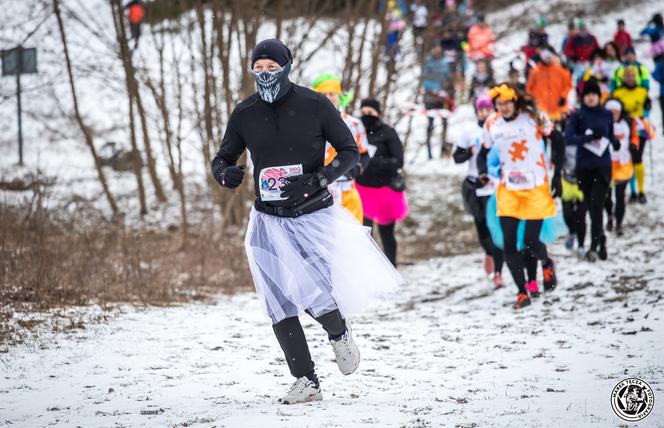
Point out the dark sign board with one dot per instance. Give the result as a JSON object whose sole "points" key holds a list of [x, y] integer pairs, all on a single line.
{"points": [[19, 59]]}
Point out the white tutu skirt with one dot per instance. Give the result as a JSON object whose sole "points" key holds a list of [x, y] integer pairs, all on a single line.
{"points": [[318, 262]]}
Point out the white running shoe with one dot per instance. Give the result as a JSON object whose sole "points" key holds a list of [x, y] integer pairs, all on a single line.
{"points": [[346, 352], [302, 391]]}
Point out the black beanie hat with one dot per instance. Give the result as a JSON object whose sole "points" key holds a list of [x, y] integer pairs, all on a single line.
{"points": [[591, 87], [273, 49], [370, 102]]}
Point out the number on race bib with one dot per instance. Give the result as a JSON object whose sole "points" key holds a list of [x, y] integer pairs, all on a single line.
{"points": [[519, 180], [272, 179]]}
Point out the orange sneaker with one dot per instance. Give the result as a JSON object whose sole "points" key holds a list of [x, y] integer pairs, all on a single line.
{"points": [[550, 280], [522, 300]]}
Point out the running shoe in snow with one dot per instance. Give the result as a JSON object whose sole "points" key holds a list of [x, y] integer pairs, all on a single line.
{"points": [[549, 272], [522, 300], [633, 198], [602, 249], [533, 289], [591, 256], [581, 253], [619, 230], [569, 242], [488, 264], [642, 198], [609, 224], [498, 281], [302, 391], [346, 352]]}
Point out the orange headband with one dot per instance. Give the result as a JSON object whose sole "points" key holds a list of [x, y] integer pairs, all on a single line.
{"points": [[329, 86], [503, 92]]}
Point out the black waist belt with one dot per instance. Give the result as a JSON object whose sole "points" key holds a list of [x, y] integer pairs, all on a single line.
{"points": [[314, 203]]}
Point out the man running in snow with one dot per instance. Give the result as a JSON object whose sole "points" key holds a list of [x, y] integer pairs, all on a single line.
{"points": [[304, 251]]}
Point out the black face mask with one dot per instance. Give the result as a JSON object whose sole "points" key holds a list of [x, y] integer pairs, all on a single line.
{"points": [[369, 121], [272, 85]]}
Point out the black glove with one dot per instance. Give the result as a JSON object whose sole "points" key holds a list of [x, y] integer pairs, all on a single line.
{"points": [[597, 134], [648, 104], [615, 144], [231, 176], [556, 185], [299, 188], [562, 101], [355, 171]]}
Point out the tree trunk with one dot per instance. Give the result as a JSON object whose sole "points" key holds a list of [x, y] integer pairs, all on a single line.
{"points": [[84, 129], [132, 84]]}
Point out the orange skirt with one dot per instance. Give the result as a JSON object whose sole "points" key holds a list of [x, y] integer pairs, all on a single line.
{"points": [[350, 199], [533, 204], [622, 172]]}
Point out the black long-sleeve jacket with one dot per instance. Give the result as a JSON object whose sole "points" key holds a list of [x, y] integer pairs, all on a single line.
{"points": [[388, 158], [293, 130]]}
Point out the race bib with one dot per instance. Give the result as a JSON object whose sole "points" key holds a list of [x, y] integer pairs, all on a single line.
{"points": [[272, 179], [623, 157], [597, 147], [519, 180]]}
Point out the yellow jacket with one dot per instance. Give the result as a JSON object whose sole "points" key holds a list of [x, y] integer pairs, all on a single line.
{"points": [[633, 100]]}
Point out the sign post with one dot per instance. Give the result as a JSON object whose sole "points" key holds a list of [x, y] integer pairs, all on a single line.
{"points": [[14, 63]]}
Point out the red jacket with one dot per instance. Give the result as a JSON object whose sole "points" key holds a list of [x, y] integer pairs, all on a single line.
{"points": [[623, 40], [136, 12], [580, 47]]}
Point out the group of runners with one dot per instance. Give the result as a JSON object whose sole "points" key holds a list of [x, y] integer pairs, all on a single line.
{"points": [[576, 130], [321, 176]]}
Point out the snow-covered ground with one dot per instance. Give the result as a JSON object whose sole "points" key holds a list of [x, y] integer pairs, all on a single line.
{"points": [[442, 351]]}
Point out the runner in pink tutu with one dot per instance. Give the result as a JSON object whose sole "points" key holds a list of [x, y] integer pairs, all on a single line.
{"points": [[382, 186]]}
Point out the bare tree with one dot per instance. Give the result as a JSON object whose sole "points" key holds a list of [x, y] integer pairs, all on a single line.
{"points": [[87, 134], [134, 93]]}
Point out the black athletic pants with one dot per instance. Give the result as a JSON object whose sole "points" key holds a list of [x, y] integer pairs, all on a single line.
{"points": [[386, 232], [594, 183], [574, 213], [619, 213], [531, 265], [476, 206], [514, 259], [292, 341], [661, 109]]}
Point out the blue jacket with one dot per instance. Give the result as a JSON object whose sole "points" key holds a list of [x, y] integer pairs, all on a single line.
{"points": [[585, 118], [655, 33], [436, 73], [658, 75]]}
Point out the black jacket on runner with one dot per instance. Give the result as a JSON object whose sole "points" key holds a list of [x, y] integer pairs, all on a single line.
{"points": [[388, 158], [292, 130]]}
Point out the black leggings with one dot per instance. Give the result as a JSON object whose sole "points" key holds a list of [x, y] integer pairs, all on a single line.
{"points": [[386, 232], [294, 344], [514, 259], [574, 213], [531, 265], [476, 206], [619, 213], [661, 108], [487, 244], [594, 183]]}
